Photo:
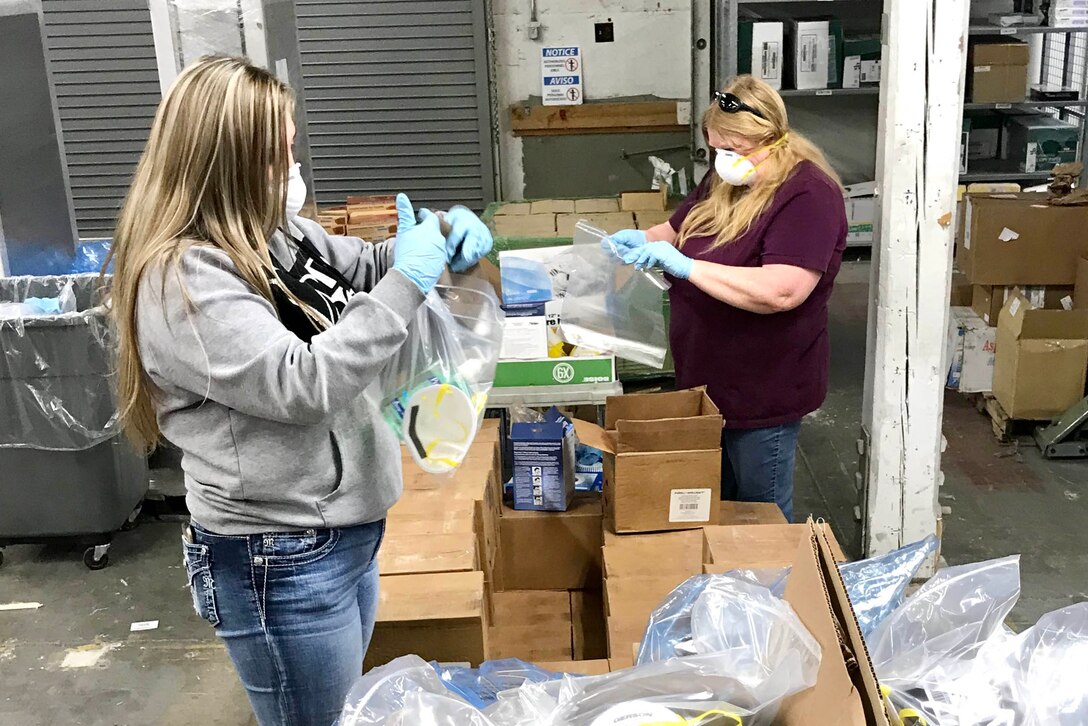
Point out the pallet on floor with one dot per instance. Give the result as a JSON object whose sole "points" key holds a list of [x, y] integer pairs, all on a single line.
{"points": [[1005, 427]]}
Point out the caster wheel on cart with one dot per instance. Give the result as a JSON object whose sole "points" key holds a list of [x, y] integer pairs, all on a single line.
{"points": [[96, 560]]}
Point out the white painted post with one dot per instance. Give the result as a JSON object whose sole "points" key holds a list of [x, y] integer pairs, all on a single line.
{"points": [[925, 47]]}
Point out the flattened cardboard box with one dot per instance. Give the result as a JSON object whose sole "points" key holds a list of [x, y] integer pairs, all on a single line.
{"points": [[524, 225], [551, 550], [662, 460], [640, 201], [552, 206], [595, 206], [439, 617], [514, 209], [1039, 370]]}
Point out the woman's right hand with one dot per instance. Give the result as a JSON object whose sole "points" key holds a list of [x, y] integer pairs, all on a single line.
{"points": [[624, 241], [419, 252]]}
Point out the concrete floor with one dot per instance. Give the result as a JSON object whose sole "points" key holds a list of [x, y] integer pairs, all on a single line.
{"points": [[1004, 500]]}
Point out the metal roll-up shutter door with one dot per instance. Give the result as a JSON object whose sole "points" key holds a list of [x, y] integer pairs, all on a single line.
{"points": [[102, 60], [397, 99]]}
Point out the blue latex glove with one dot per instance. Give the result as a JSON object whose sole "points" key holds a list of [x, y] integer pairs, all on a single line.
{"points": [[469, 239], [624, 241], [663, 255], [420, 250]]}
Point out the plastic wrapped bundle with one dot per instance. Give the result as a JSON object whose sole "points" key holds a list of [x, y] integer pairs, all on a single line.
{"points": [[433, 390]]}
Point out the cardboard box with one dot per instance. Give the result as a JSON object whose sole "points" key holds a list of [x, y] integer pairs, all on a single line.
{"points": [[552, 206], [576, 667], [1019, 239], [551, 550], [646, 219], [985, 137], [514, 209], [1039, 142], [987, 300], [531, 626], [555, 371], [861, 213], [861, 61], [1042, 355], [745, 513], [596, 206], [760, 49], [624, 635], [645, 201], [997, 70], [640, 555], [662, 464], [1080, 288], [969, 352], [439, 617], [417, 554], [961, 292], [524, 225], [808, 49], [610, 222], [756, 546], [589, 625]]}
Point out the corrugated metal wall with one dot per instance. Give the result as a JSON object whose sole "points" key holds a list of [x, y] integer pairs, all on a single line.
{"points": [[397, 99], [102, 60]]}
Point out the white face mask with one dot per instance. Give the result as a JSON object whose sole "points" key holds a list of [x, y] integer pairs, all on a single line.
{"points": [[734, 169], [296, 191]]}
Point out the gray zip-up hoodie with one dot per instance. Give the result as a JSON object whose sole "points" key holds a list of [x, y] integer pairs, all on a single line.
{"points": [[276, 434]]}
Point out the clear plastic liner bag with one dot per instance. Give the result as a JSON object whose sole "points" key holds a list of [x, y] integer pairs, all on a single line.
{"points": [[1049, 669], [936, 653], [755, 636], [406, 692], [876, 585], [56, 363], [612, 307], [480, 686], [433, 390]]}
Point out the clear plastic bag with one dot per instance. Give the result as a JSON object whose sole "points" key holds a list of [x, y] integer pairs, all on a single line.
{"points": [[433, 390], [56, 389], [611, 307], [1049, 664], [937, 653], [876, 585], [480, 686]]}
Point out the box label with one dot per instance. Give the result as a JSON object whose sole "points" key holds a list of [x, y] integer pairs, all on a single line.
{"points": [[1031, 161], [982, 69], [689, 505], [561, 76], [808, 46], [555, 371], [769, 61]]}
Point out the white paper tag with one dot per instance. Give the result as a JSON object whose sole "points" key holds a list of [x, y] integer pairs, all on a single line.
{"points": [[683, 113], [1015, 307], [1007, 235], [1067, 302], [982, 69], [690, 505], [144, 625], [967, 226]]}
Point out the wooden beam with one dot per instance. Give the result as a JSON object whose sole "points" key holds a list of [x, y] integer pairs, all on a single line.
{"points": [[596, 118], [921, 115]]}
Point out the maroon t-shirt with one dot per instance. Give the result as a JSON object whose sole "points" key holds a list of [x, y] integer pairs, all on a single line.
{"points": [[763, 370]]}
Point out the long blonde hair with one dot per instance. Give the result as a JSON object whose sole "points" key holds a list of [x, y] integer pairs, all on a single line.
{"points": [[729, 211], [214, 173]]}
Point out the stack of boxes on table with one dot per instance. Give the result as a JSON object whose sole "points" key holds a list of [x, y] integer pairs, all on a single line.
{"points": [[548, 218], [1019, 321], [573, 589], [373, 218]]}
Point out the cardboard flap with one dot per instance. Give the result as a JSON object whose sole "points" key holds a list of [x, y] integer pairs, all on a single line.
{"points": [[674, 434], [594, 436], [654, 406], [834, 695], [1055, 325], [1011, 319]]}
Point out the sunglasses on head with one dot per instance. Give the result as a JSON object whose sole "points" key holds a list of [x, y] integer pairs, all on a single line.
{"points": [[729, 103]]}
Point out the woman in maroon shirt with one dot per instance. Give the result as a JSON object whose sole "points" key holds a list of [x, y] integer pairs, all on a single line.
{"points": [[752, 255]]}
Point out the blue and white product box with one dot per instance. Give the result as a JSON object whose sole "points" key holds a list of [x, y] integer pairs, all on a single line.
{"points": [[524, 332], [543, 457]]}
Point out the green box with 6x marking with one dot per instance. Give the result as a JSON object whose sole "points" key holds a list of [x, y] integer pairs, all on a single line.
{"points": [[555, 371]]}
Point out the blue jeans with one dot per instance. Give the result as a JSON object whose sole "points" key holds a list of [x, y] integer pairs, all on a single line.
{"points": [[757, 465], [295, 610]]}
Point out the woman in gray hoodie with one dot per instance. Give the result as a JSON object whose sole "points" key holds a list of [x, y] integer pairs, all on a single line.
{"points": [[247, 337]]}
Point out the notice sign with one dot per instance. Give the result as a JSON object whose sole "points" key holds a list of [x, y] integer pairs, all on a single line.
{"points": [[561, 74]]}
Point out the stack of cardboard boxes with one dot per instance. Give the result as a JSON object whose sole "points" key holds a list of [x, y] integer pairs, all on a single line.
{"points": [[547, 218], [1025, 335], [373, 218]]}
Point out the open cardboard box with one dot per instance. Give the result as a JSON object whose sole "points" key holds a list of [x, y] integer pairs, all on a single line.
{"points": [[755, 546], [662, 463], [551, 550]]}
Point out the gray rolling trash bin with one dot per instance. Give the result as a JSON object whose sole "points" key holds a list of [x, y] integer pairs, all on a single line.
{"points": [[66, 471]]}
